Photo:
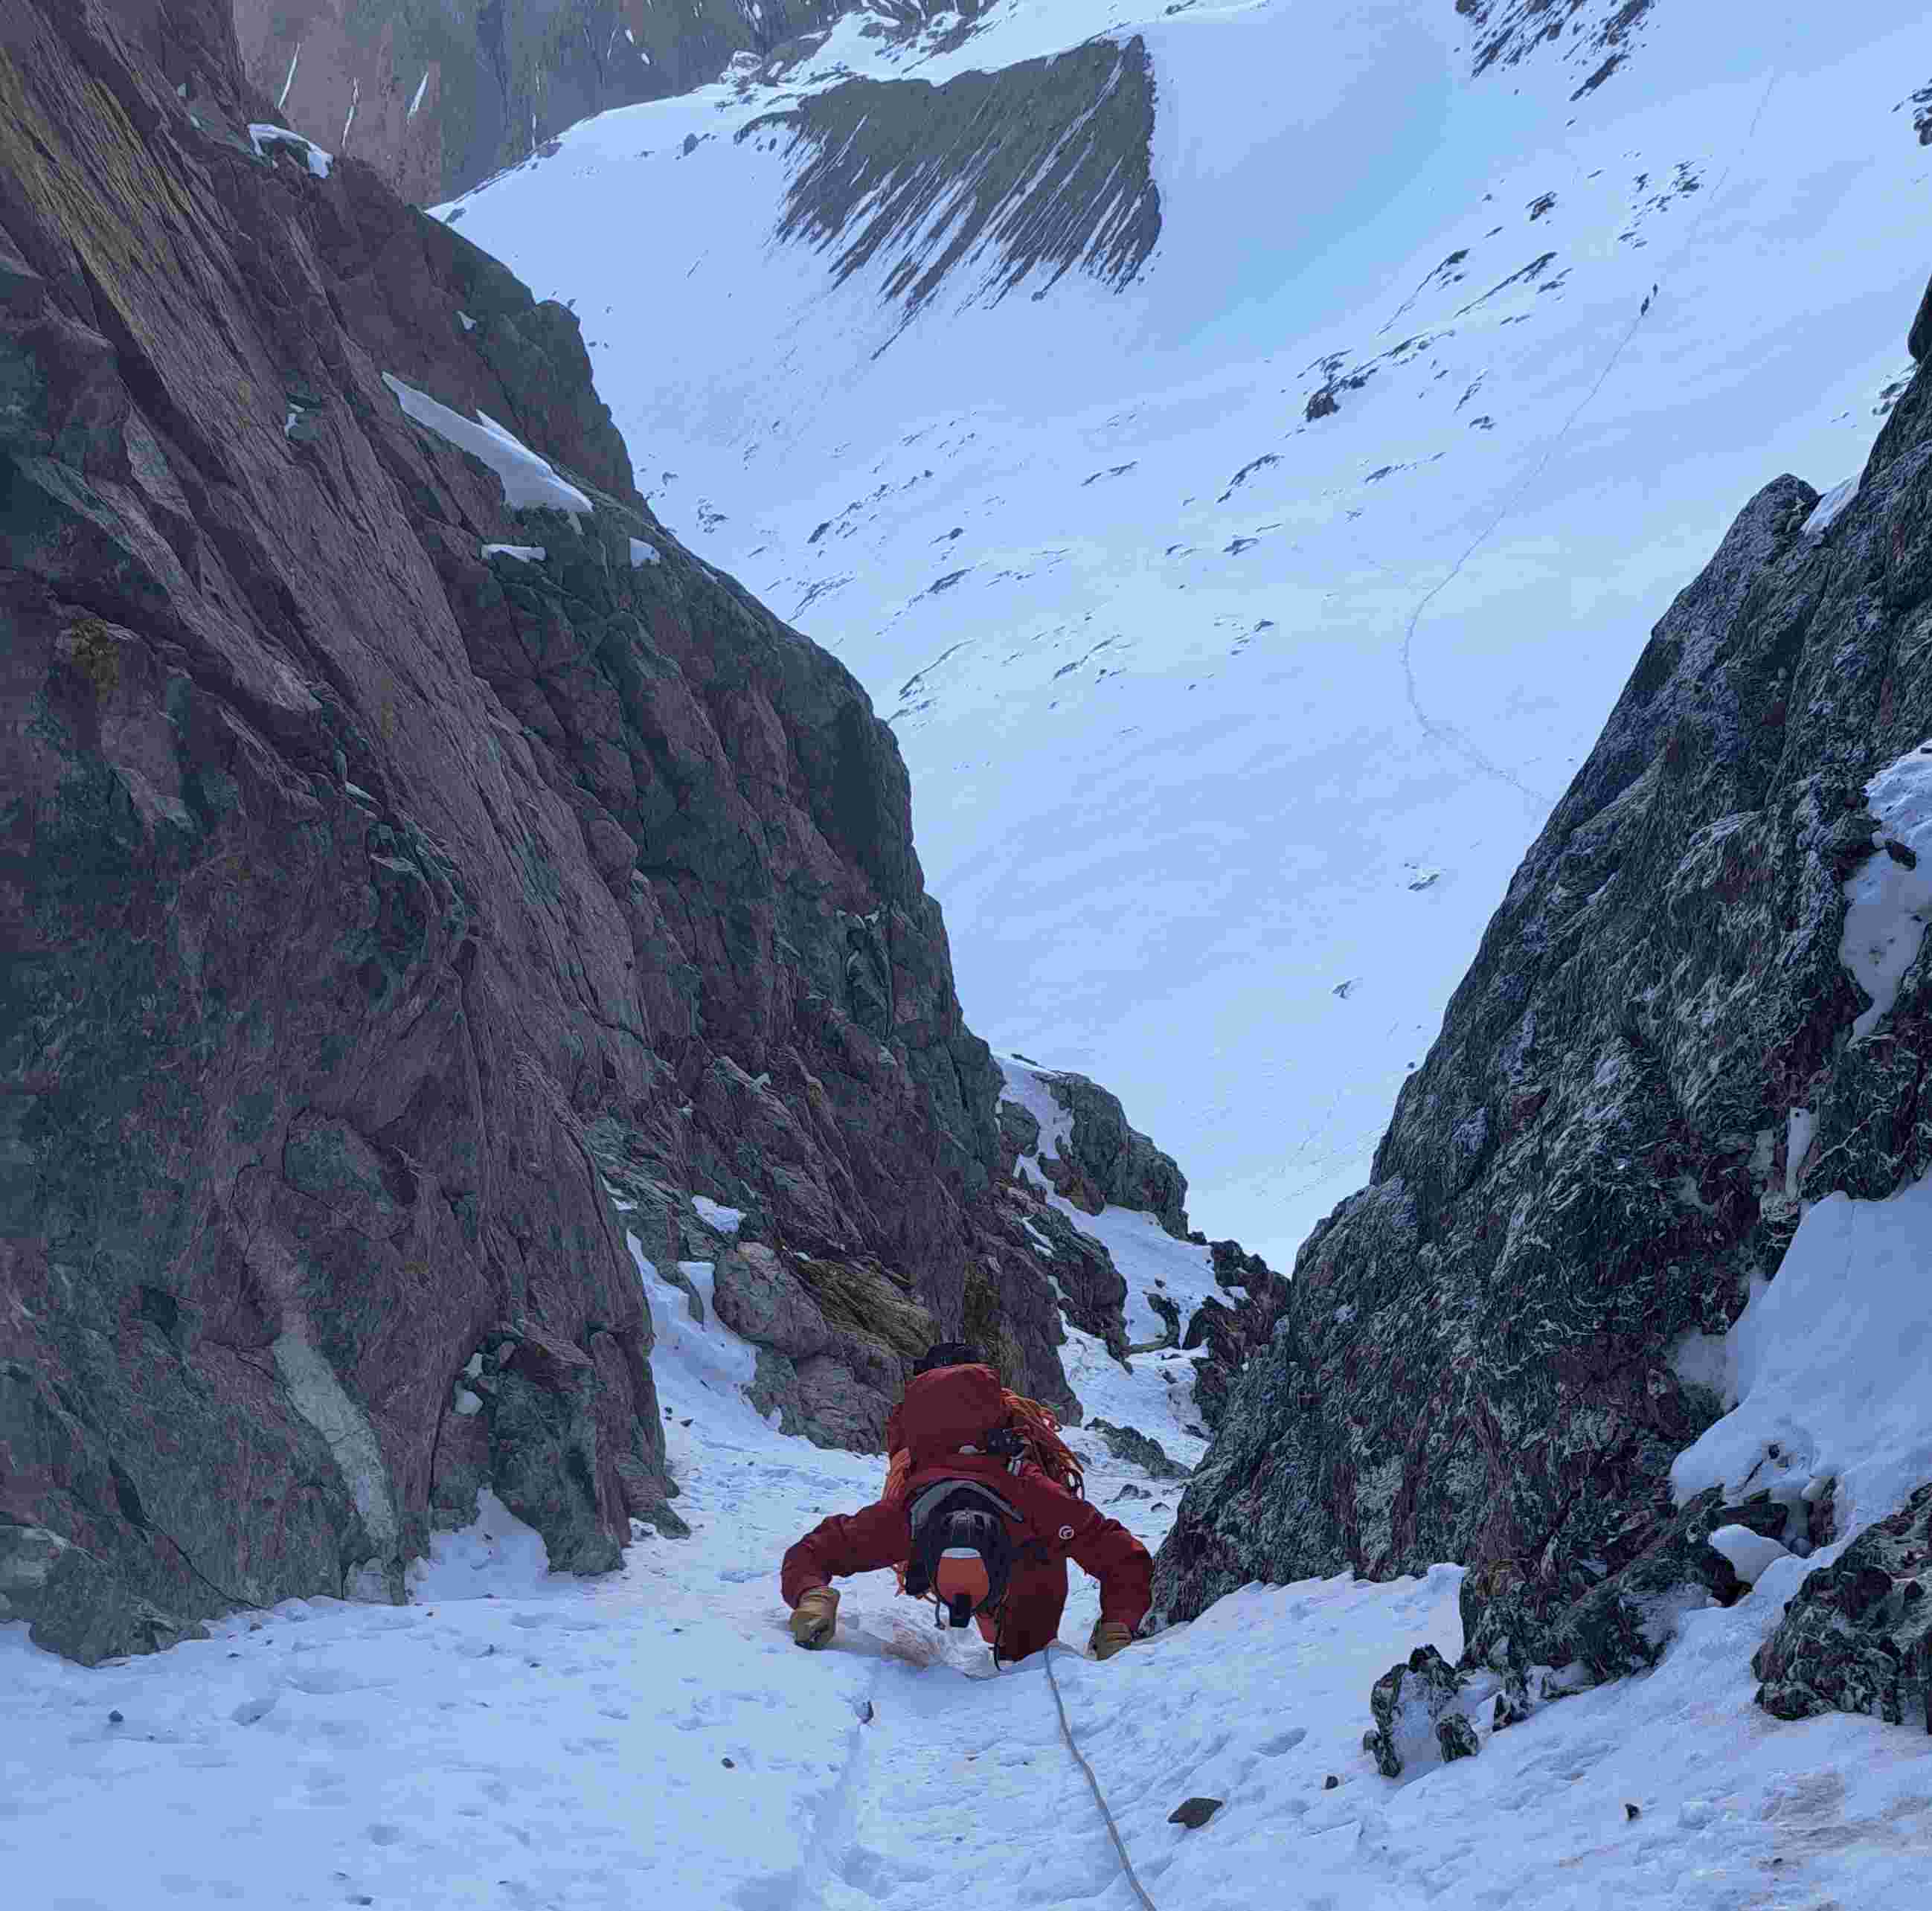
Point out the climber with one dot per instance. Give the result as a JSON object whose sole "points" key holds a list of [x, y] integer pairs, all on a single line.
{"points": [[976, 1521]]}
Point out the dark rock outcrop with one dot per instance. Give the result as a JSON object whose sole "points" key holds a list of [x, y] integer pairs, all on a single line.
{"points": [[1232, 1332], [1105, 1157], [979, 173], [436, 95], [1594, 37], [1089, 1288], [385, 869], [1138, 1449], [1101, 1161], [1414, 1699], [1476, 1358], [1857, 1636]]}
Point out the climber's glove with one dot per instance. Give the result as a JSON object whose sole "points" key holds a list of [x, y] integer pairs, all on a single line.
{"points": [[1109, 1637], [815, 1617]]}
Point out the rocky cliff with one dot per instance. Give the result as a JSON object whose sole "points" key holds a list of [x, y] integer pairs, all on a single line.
{"points": [[1040, 168], [406, 844], [1657, 1055], [436, 95]]}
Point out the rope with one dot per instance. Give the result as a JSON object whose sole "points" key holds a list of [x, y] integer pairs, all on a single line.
{"points": [[1447, 734], [1066, 1733]]}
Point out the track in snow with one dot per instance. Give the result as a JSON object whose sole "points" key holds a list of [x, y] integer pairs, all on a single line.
{"points": [[960, 1790]]}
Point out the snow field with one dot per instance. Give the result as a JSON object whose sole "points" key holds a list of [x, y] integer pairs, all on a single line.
{"points": [[1153, 688], [510, 1738]]}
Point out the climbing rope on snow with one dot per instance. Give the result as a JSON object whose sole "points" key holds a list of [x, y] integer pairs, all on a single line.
{"points": [[1066, 1733]]}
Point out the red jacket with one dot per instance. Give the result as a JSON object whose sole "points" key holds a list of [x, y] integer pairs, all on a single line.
{"points": [[942, 1412]]}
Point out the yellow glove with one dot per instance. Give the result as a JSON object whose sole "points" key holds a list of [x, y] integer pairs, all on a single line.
{"points": [[1109, 1637], [814, 1617]]}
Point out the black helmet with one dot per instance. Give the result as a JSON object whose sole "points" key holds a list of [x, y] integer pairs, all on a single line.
{"points": [[962, 1552], [948, 1354]]}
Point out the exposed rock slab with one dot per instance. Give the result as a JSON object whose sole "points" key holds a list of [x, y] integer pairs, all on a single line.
{"points": [[1233, 1331], [1139, 1449], [376, 890]]}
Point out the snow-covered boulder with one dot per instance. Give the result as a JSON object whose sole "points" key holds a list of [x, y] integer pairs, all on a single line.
{"points": [[1414, 1706]]}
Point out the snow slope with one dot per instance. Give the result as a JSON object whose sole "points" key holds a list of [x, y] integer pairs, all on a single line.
{"points": [[508, 1739], [1228, 725]]}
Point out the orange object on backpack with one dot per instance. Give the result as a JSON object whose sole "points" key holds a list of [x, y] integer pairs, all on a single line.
{"points": [[1041, 1431]]}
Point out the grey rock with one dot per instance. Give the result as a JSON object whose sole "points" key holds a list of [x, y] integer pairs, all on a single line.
{"points": [[1857, 1635], [1140, 1450], [759, 1297], [1919, 341], [1092, 1293], [1019, 1132], [1108, 1162], [75, 1605], [1194, 1813], [541, 1418], [1620, 1626], [836, 1341], [446, 92], [1233, 1331], [1410, 1698]]}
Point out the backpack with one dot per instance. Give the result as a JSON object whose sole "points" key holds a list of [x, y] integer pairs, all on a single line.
{"points": [[979, 1412]]}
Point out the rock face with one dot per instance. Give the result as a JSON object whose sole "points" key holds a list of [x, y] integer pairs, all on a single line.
{"points": [[1098, 1160], [1477, 1359], [1595, 37], [388, 865], [1111, 1163], [1857, 1636], [1232, 1331], [978, 176], [436, 95]]}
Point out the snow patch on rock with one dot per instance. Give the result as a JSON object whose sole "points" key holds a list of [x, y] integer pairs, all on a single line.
{"points": [[260, 136], [1830, 1359], [1891, 902], [530, 482]]}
